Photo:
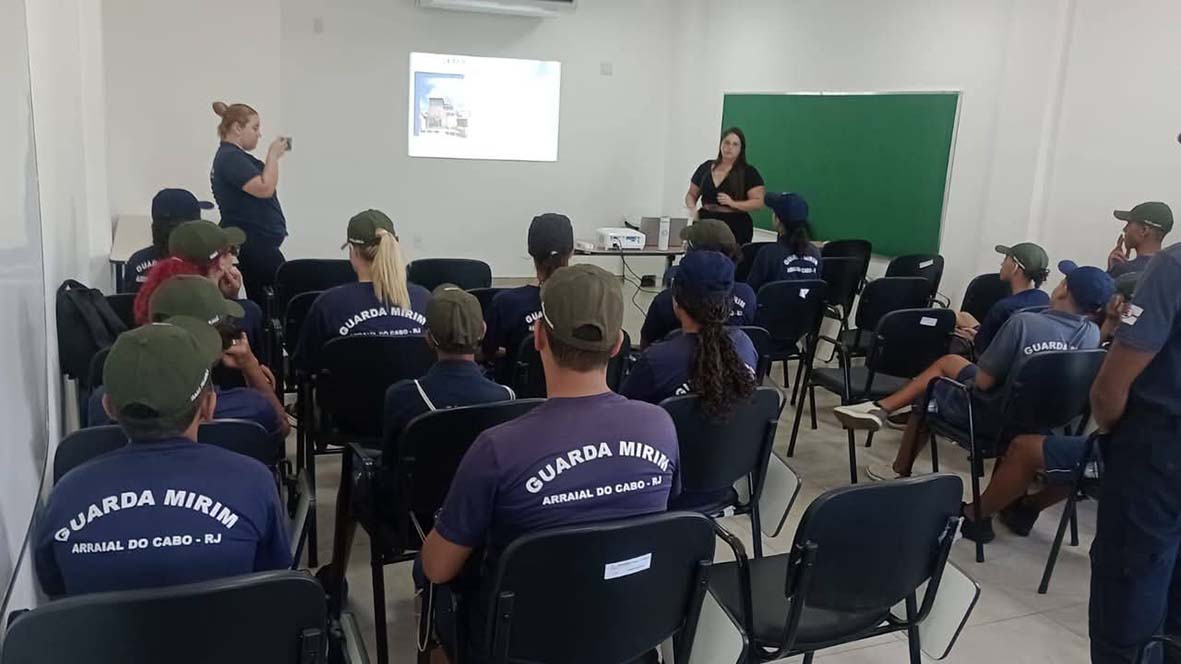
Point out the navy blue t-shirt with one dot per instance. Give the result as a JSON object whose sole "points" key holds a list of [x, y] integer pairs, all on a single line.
{"points": [[663, 370], [135, 272], [661, 320], [160, 513], [565, 462], [1152, 325], [510, 317], [239, 403], [354, 310], [447, 384], [1137, 264], [261, 218], [777, 262], [1002, 310]]}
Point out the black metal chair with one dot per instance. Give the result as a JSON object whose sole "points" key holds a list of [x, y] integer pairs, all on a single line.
{"points": [[862, 250], [123, 304], [584, 609], [858, 553], [750, 251], [878, 298], [760, 338], [1084, 484], [284, 336], [394, 493], [844, 277], [83, 445], [1049, 391], [791, 312], [467, 273], [484, 296], [98, 363], [905, 343], [301, 275], [717, 454], [265, 618], [982, 292], [528, 378], [927, 266]]}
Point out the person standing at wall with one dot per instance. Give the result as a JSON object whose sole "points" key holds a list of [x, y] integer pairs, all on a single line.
{"points": [[727, 187], [246, 191]]}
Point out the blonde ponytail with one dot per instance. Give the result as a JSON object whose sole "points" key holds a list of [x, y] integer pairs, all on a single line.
{"points": [[389, 270]]}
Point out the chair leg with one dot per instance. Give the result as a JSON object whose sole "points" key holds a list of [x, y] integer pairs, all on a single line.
{"points": [[977, 471], [812, 404], [756, 530], [313, 543], [795, 427], [869, 439], [934, 455], [1056, 547], [1074, 527], [852, 457], [799, 372], [912, 632], [379, 619], [808, 657]]}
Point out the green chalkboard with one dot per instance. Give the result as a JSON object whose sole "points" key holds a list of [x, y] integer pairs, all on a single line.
{"points": [[871, 166]]}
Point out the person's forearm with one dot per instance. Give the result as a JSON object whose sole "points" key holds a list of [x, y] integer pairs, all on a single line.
{"points": [[749, 205], [1107, 405], [270, 173], [690, 202], [257, 379]]}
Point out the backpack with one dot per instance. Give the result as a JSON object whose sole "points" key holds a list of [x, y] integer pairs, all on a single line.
{"points": [[86, 324]]}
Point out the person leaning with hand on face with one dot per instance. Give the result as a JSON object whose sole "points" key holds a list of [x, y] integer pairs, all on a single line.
{"points": [[728, 188], [1145, 231], [246, 191]]}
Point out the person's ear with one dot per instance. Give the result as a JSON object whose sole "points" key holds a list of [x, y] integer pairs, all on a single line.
{"points": [[483, 329], [618, 344], [539, 339], [109, 407]]}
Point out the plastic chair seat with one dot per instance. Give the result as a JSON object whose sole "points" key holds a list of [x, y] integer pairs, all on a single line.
{"points": [[833, 380], [818, 627], [707, 505]]}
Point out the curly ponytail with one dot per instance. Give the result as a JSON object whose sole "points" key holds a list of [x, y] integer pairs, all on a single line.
{"points": [[717, 375]]}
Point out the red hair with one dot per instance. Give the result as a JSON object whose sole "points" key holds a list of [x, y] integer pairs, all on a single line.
{"points": [[162, 271]]}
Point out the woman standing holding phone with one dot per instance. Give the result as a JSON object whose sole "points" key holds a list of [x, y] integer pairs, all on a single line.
{"points": [[246, 191], [729, 188]]}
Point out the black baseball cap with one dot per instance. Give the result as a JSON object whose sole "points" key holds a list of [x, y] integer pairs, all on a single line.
{"points": [[1089, 286], [1152, 213], [550, 234], [177, 205], [582, 306]]}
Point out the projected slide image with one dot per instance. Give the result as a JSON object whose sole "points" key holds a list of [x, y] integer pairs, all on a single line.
{"points": [[464, 107]]}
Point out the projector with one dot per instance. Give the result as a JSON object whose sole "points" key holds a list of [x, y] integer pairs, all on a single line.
{"points": [[619, 238]]}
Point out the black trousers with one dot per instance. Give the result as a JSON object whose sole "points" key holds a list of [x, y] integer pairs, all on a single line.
{"points": [[258, 260]]}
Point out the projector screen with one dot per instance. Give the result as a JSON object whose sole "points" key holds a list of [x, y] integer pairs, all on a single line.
{"points": [[464, 107]]}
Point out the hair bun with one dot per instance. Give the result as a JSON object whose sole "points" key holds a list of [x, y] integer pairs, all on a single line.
{"points": [[220, 108]]}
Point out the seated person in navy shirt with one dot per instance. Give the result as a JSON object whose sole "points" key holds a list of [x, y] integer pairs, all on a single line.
{"points": [[793, 256], [1065, 325], [197, 297], [512, 312], [707, 235], [1024, 269], [163, 510], [380, 303], [454, 329], [1144, 232], [170, 208], [545, 468]]}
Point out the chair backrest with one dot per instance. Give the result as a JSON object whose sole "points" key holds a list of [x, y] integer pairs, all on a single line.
{"points": [[467, 273], [294, 315], [862, 250], [881, 296], [908, 341], [843, 276], [303, 275], [875, 544], [984, 291], [1050, 389], [123, 304], [717, 453], [791, 310], [761, 339], [432, 445], [927, 266], [83, 445], [267, 618], [528, 377], [750, 251], [484, 296], [610, 593], [358, 370], [98, 363]]}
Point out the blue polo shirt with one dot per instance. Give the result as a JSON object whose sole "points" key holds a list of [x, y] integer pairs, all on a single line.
{"points": [[663, 370], [1152, 325], [354, 310], [447, 384], [777, 262], [510, 317], [1002, 310], [135, 271], [160, 513], [661, 320], [239, 403], [261, 218]]}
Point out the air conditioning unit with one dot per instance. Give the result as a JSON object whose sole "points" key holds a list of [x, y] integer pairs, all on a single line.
{"points": [[532, 8]]}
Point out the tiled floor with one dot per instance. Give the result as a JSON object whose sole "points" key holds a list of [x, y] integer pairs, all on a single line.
{"points": [[1011, 624]]}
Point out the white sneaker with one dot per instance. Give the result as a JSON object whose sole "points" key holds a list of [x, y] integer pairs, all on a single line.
{"points": [[860, 416], [898, 419], [881, 472]]}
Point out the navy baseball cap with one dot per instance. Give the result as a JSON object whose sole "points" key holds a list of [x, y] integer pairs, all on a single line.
{"points": [[177, 205], [704, 273], [1090, 287], [790, 208]]}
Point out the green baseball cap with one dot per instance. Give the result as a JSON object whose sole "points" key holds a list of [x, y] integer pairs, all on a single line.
{"points": [[363, 228], [454, 319], [582, 306], [1152, 213], [708, 234], [201, 241], [1028, 255], [195, 296], [161, 366]]}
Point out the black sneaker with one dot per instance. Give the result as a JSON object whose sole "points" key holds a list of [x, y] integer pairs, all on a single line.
{"points": [[1019, 518], [977, 531]]}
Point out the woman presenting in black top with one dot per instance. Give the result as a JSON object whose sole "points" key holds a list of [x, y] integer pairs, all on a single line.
{"points": [[246, 191], [728, 187]]}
